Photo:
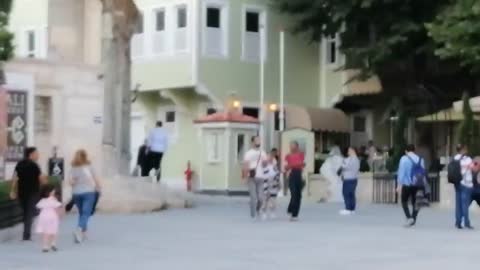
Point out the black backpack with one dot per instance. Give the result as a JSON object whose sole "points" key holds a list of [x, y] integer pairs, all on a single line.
{"points": [[454, 171]]}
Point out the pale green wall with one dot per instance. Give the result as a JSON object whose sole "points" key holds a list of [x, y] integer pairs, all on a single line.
{"points": [[223, 76], [334, 84], [215, 174], [186, 145], [29, 13], [163, 74], [172, 70]]}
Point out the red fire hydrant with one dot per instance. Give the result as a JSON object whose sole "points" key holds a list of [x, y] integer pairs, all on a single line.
{"points": [[188, 177]]}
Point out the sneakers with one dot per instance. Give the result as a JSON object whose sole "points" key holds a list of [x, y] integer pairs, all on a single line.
{"points": [[293, 219], [345, 212], [409, 223], [77, 237]]}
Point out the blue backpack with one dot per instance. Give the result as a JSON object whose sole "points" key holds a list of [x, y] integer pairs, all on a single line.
{"points": [[418, 174]]}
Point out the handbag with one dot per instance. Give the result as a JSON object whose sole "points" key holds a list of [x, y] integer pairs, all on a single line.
{"points": [[252, 173]]}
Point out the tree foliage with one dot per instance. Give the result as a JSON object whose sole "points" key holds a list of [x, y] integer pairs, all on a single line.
{"points": [[456, 30], [388, 38], [399, 140], [469, 129], [6, 38]]}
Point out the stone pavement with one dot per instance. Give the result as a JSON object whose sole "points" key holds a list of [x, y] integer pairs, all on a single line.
{"points": [[218, 235]]}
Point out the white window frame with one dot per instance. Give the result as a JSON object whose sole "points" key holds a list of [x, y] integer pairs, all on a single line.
{"points": [[31, 53], [176, 28], [214, 153], [143, 34], [263, 20], [224, 27], [151, 31], [239, 156], [177, 8], [328, 41], [155, 12]]}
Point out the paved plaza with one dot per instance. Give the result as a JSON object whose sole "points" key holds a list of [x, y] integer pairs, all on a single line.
{"points": [[218, 235]]}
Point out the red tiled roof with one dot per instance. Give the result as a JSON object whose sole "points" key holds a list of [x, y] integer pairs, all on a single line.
{"points": [[232, 117]]}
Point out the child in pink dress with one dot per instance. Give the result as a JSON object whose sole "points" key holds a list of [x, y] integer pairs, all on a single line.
{"points": [[49, 218]]}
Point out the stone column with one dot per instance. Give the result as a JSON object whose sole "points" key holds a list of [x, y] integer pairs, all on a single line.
{"points": [[119, 18]]}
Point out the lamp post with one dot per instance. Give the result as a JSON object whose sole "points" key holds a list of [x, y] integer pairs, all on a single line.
{"points": [[262, 86]]}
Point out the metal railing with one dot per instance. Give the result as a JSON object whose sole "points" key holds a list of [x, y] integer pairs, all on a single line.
{"points": [[384, 188], [385, 185]]}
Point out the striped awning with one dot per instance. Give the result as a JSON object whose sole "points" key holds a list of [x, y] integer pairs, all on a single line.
{"points": [[447, 115], [359, 87], [332, 120], [474, 103]]}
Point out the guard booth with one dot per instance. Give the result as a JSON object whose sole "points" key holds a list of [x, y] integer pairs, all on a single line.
{"points": [[224, 137]]}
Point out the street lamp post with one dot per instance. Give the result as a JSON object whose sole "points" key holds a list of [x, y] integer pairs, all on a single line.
{"points": [[262, 86]]}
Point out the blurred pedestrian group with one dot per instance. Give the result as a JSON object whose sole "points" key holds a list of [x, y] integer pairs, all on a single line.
{"points": [[39, 197]]}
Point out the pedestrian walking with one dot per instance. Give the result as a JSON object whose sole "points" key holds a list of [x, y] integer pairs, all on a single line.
{"points": [[49, 218], [295, 162], [410, 180], [157, 145], [86, 190], [253, 159], [142, 160], [349, 171], [270, 174], [26, 187], [463, 165]]}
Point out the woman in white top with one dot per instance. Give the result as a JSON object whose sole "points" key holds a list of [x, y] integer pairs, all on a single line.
{"points": [[85, 189]]}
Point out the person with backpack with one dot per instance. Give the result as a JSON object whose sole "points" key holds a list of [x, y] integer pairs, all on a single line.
{"points": [[410, 180], [460, 175]]}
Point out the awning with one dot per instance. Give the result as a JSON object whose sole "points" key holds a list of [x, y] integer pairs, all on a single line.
{"points": [[447, 115], [359, 87], [333, 120], [474, 103]]}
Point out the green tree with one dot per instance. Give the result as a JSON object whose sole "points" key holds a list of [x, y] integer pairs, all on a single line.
{"points": [[469, 129], [456, 31], [6, 47], [399, 140], [388, 38]]}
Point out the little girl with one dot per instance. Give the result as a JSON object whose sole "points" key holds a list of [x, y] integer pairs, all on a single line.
{"points": [[49, 218], [271, 176]]}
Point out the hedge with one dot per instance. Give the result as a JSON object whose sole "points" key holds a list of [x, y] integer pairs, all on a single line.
{"points": [[6, 185]]}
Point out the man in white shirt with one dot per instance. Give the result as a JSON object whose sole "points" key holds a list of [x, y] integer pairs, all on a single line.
{"points": [[253, 159], [157, 145], [464, 190]]}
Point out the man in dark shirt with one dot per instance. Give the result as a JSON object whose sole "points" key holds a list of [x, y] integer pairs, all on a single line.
{"points": [[26, 188], [142, 160]]}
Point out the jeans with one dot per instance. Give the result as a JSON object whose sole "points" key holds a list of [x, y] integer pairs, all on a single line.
{"points": [[409, 193], [458, 205], [27, 203], [255, 189], [349, 187], [466, 199], [295, 182], [85, 203]]}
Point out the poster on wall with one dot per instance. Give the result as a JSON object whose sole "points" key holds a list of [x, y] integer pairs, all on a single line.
{"points": [[3, 131], [17, 125]]}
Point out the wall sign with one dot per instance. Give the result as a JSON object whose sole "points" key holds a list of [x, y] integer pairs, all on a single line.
{"points": [[17, 125]]}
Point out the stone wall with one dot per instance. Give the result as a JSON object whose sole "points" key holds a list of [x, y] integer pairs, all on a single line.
{"points": [[320, 189], [76, 111]]}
